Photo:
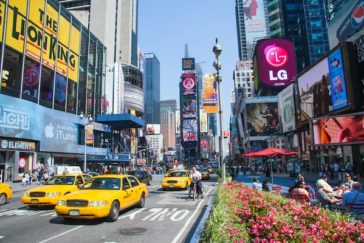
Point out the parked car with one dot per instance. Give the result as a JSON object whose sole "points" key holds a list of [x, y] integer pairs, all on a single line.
{"points": [[142, 176], [103, 197], [6, 193], [55, 187]]}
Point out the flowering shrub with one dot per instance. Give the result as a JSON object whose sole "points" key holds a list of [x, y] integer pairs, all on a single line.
{"points": [[242, 214]]}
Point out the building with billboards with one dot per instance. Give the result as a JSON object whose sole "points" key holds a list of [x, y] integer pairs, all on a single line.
{"points": [[53, 70]]}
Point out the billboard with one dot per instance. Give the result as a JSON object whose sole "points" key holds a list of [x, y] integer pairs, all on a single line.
{"points": [[276, 62], [348, 20], [205, 144], [178, 121], [153, 129], [262, 119], [322, 88], [189, 109], [189, 129], [339, 129], [189, 84], [209, 94], [359, 46], [203, 121], [188, 64], [286, 109]]}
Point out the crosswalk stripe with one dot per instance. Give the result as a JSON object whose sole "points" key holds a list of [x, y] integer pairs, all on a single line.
{"points": [[46, 214]]}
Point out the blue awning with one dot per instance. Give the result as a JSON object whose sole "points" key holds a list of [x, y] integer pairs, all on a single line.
{"points": [[120, 121]]}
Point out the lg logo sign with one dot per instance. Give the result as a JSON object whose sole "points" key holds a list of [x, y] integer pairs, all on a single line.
{"points": [[276, 57]]}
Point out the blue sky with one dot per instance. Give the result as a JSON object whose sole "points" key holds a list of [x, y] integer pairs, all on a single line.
{"points": [[165, 26]]}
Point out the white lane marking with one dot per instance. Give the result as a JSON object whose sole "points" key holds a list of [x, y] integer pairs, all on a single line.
{"points": [[46, 214], [1, 236], [180, 233], [131, 215], [3, 209], [66, 232], [155, 186]]}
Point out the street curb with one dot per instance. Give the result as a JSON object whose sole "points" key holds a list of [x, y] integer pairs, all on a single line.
{"points": [[196, 231]]}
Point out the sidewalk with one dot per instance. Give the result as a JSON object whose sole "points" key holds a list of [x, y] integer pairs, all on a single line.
{"points": [[19, 187]]}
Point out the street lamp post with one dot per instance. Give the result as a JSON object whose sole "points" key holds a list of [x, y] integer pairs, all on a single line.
{"points": [[217, 51], [85, 123]]}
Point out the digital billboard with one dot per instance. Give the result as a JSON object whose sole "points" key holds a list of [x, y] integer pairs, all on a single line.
{"points": [[203, 121], [189, 85], [286, 109], [339, 129], [153, 129], [209, 94], [188, 64], [255, 25], [189, 129], [178, 121], [189, 109], [262, 119], [348, 20], [322, 88], [276, 62], [359, 46]]}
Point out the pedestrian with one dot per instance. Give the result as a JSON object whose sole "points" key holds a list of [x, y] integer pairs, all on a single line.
{"points": [[256, 185], [27, 178], [265, 186], [45, 176]]}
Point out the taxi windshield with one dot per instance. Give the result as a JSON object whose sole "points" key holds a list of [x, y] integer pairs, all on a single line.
{"points": [[103, 184], [177, 174], [61, 180]]}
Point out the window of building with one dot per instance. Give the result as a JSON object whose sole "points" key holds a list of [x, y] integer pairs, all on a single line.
{"points": [[71, 96], [82, 73], [46, 87], [60, 92], [11, 75], [31, 80]]}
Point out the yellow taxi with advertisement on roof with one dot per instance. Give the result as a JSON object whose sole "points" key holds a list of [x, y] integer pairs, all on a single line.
{"points": [[55, 187], [6, 193], [103, 196], [176, 179]]}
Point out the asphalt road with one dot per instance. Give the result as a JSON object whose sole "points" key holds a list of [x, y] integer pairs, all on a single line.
{"points": [[168, 216]]}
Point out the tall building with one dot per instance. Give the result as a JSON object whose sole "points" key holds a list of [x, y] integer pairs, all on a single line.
{"points": [[243, 79], [275, 17], [251, 22], [114, 22], [151, 88], [168, 123]]}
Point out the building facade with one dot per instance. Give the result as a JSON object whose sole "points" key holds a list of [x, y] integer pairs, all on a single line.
{"points": [[53, 71], [168, 123], [151, 88], [275, 17], [155, 142], [243, 79]]}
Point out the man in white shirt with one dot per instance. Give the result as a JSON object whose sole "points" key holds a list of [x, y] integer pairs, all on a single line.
{"points": [[324, 187], [196, 178]]}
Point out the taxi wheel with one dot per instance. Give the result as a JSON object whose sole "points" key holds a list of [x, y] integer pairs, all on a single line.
{"points": [[114, 212], [141, 201], [3, 198]]}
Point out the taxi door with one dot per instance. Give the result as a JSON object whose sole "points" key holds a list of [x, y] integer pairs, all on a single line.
{"points": [[126, 193], [136, 189]]}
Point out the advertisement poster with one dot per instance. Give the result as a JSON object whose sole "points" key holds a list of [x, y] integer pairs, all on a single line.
{"points": [[209, 94], [203, 121], [262, 119], [348, 20], [189, 84], [340, 129], [205, 143], [189, 109], [178, 121], [255, 25], [153, 129], [188, 64], [313, 88], [89, 134], [337, 80], [276, 62], [287, 109], [190, 130]]}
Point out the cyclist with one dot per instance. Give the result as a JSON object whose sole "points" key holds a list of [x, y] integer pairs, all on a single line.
{"points": [[196, 178]]}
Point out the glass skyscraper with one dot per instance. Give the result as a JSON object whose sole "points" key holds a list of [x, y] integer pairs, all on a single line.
{"points": [[151, 89]]}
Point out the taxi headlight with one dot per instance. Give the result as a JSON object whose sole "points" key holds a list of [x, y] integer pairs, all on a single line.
{"points": [[53, 194], [26, 194], [61, 203], [97, 203]]}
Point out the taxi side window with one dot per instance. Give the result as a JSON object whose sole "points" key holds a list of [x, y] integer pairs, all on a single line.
{"points": [[86, 177], [79, 180], [125, 184], [133, 181]]}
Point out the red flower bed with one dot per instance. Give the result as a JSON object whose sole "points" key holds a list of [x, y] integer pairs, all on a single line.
{"points": [[267, 217]]}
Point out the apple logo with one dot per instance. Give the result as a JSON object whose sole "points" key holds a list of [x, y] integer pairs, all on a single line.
{"points": [[49, 131]]}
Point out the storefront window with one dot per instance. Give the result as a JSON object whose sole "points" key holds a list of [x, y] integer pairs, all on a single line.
{"points": [[46, 88], [71, 96], [11, 75], [60, 92], [31, 80]]}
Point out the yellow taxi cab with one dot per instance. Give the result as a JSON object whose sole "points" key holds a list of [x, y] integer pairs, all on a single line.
{"points": [[55, 187], [103, 197], [6, 193], [176, 179], [205, 174]]}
